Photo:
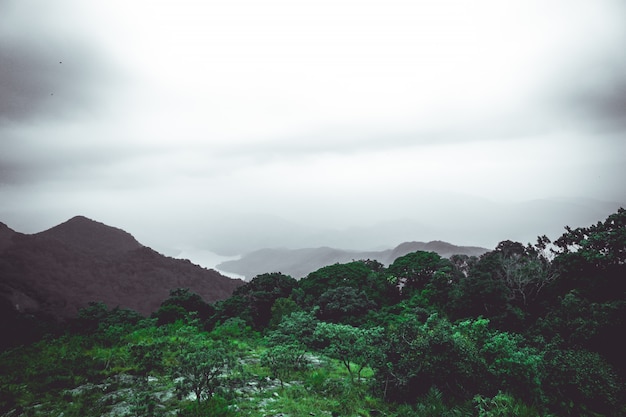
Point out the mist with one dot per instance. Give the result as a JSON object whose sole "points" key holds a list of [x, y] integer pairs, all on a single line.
{"points": [[230, 126]]}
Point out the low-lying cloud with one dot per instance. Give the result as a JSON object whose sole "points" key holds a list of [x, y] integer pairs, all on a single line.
{"points": [[183, 120]]}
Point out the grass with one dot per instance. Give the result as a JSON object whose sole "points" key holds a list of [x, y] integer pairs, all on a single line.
{"points": [[324, 388], [37, 383]]}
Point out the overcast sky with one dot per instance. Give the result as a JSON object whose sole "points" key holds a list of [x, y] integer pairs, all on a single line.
{"points": [[199, 121]]}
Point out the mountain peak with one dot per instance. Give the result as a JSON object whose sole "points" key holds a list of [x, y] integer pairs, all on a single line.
{"points": [[6, 233], [90, 235], [62, 269], [6, 230]]}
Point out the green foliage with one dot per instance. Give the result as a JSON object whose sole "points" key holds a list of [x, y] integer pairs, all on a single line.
{"points": [[592, 259], [233, 328], [98, 318], [281, 308], [579, 382], [365, 276], [44, 369], [420, 355], [513, 366], [462, 264], [202, 369], [284, 360], [502, 405], [182, 304], [168, 314], [144, 404], [577, 321], [414, 270], [343, 305], [505, 285], [433, 405], [217, 406], [298, 327], [148, 358], [257, 297], [234, 307], [602, 244], [526, 271], [459, 359], [484, 293], [512, 333], [355, 347]]}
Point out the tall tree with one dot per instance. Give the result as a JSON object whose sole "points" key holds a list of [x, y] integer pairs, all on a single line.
{"points": [[202, 369], [593, 259], [365, 276], [414, 270], [256, 298]]}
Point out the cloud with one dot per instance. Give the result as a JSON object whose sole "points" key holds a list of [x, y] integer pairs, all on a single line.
{"points": [[599, 102], [49, 75], [325, 113]]}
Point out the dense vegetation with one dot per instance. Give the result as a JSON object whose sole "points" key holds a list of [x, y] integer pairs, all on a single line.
{"points": [[533, 330]]}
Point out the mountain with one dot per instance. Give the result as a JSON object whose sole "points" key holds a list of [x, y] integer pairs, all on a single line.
{"points": [[88, 236], [300, 262], [456, 218], [6, 234], [444, 249], [60, 270]]}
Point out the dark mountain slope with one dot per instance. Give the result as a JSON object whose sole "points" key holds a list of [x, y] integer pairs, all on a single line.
{"points": [[60, 270], [89, 236], [6, 235]]}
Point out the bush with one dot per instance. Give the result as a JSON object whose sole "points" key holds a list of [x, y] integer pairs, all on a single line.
{"points": [[502, 405], [215, 407], [579, 381], [283, 360]]}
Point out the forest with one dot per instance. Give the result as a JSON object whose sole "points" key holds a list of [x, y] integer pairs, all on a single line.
{"points": [[523, 330]]}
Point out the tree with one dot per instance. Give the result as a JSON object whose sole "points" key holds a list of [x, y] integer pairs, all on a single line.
{"points": [[202, 369], [463, 263], [281, 308], [259, 295], [180, 304], [525, 270], [482, 292], [593, 259], [574, 322], [297, 328], [288, 343], [234, 307], [580, 382], [107, 326], [355, 347], [414, 270], [591, 266], [284, 360], [363, 276], [148, 357], [461, 360], [343, 304]]}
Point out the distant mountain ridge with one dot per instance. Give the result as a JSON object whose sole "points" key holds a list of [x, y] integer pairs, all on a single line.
{"points": [[60, 270], [300, 262]]}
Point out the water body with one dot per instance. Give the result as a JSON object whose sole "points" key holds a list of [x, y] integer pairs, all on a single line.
{"points": [[208, 259]]}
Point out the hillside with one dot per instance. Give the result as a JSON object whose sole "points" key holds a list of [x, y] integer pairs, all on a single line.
{"points": [[60, 270], [300, 262], [519, 331]]}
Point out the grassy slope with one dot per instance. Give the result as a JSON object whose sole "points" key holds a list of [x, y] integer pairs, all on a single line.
{"points": [[79, 376]]}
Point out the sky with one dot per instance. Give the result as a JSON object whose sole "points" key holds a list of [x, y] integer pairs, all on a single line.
{"points": [[230, 125]]}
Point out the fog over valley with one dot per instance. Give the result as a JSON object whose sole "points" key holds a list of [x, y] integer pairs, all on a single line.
{"points": [[214, 129]]}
